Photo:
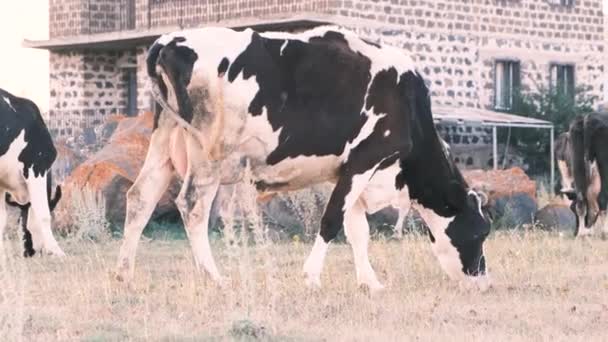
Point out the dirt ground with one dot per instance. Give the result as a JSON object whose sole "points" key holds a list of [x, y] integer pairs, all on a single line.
{"points": [[546, 287]]}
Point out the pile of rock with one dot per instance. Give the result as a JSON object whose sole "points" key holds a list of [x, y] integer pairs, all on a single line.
{"points": [[112, 169]]}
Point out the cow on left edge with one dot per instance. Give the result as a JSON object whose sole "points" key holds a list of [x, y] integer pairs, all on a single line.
{"points": [[27, 153]]}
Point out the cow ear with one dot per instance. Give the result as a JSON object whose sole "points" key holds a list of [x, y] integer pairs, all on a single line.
{"points": [[456, 195], [483, 197]]}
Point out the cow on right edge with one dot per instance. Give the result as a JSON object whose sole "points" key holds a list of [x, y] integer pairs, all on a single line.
{"points": [[583, 165]]}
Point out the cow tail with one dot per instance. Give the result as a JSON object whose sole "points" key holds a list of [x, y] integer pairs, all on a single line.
{"points": [[159, 90]]}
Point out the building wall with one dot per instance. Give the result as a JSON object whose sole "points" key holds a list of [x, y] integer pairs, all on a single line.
{"points": [[85, 87], [454, 43]]}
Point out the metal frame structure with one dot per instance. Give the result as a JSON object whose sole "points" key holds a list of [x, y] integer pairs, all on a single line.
{"points": [[463, 115]]}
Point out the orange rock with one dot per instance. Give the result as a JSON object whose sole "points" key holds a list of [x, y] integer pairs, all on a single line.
{"points": [[501, 183], [112, 170]]}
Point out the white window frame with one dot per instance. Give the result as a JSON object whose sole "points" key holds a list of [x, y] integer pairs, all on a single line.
{"points": [[505, 68]]}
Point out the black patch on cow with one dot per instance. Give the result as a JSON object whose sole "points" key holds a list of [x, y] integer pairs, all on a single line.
{"points": [[221, 69], [151, 62], [158, 108], [152, 59], [313, 91], [177, 62], [432, 177], [23, 115], [265, 186]]}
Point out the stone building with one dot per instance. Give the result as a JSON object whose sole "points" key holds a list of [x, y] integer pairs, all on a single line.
{"points": [[473, 53]]}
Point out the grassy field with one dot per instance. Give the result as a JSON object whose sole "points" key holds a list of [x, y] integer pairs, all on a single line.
{"points": [[546, 287]]}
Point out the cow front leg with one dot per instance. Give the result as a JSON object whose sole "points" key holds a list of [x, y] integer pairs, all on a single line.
{"points": [[194, 203], [345, 194], [356, 229], [39, 216]]}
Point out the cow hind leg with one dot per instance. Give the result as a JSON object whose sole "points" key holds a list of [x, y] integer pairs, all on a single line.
{"points": [[142, 197], [194, 203], [343, 198]]}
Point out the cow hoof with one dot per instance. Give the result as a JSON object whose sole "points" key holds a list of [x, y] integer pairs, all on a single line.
{"points": [[481, 283], [312, 281], [582, 233], [372, 288], [56, 252], [122, 275]]}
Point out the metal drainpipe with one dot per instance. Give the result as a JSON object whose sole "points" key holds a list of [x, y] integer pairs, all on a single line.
{"points": [[552, 158], [494, 147]]}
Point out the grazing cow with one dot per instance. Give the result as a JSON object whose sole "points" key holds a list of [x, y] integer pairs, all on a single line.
{"points": [[26, 156], [584, 167], [299, 109]]}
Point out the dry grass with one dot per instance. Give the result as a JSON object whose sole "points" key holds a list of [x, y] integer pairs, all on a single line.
{"points": [[546, 288]]}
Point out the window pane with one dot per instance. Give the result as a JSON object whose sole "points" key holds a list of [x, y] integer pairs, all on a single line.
{"points": [[508, 86], [500, 76], [569, 71]]}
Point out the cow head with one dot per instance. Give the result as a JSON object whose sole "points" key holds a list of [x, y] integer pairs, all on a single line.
{"points": [[586, 215], [457, 233], [467, 231]]}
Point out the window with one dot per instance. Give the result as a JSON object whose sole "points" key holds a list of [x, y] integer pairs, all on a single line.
{"points": [[131, 92], [562, 2], [562, 79], [506, 83]]}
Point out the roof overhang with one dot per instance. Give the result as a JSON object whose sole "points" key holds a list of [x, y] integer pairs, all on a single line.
{"points": [[130, 38], [465, 115]]}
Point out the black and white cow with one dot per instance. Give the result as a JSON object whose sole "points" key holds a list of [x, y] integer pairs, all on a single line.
{"points": [[27, 153], [583, 164], [299, 109]]}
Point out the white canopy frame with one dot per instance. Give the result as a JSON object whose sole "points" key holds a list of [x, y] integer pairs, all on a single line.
{"points": [[483, 117]]}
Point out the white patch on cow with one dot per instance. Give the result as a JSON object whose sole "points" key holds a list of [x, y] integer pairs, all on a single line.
{"points": [[356, 229], [40, 226], [446, 147], [567, 179], [366, 131], [582, 230], [387, 132], [11, 177], [380, 192], [446, 253], [284, 46], [314, 264], [8, 101], [473, 193]]}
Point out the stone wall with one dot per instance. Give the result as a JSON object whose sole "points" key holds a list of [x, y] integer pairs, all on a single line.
{"points": [[86, 87], [66, 17], [454, 43]]}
